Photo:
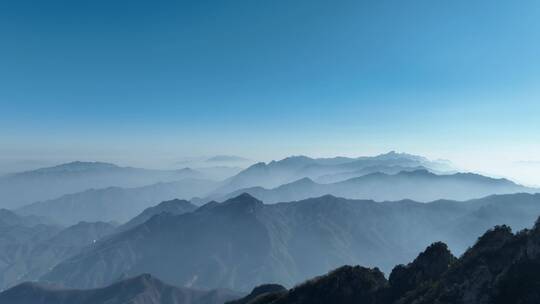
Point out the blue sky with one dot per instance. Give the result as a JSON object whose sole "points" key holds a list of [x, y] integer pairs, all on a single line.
{"points": [[152, 80]]}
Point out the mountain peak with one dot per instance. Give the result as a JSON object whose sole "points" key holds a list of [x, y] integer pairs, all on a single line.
{"points": [[306, 181], [338, 286], [296, 158], [418, 173], [434, 251], [243, 202], [171, 207], [393, 155], [75, 166], [244, 198], [493, 238], [294, 161], [428, 266], [174, 203], [259, 165]]}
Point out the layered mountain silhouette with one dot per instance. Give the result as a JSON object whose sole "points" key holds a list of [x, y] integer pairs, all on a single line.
{"points": [[293, 168], [243, 242], [500, 268], [142, 289], [338, 177], [30, 247], [418, 185], [114, 203], [24, 188], [104, 192], [172, 207]]}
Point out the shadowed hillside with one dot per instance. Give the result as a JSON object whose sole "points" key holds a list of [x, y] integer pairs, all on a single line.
{"points": [[243, 242]]}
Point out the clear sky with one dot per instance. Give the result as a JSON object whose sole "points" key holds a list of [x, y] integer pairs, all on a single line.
{"points": [[148, 81]]}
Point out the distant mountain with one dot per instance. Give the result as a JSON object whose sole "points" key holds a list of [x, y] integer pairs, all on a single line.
{"points": [[500, 268], [53, 182], [143, 289], [30, 246], [293, 168], [419, 185], [114, 203], [19, 189], [242, 242], [174, 207], [390, 170]]}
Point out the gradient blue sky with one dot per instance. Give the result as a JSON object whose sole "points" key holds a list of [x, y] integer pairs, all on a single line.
{"points": [[149, 81]]}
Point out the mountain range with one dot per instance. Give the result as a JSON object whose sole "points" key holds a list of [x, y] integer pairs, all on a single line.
{"points": [[115, 203], [243, 242], [142, 289], [52, 182], [371, 178], [419, 185], [287, 170], [121, 204]]}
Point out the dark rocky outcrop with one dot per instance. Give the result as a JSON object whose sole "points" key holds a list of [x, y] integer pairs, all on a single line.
{"points": [[500, 268], [261, 292]]}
